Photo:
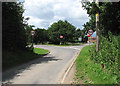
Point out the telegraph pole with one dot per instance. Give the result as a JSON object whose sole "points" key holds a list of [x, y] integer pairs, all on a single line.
{"points": [[97, 27]]}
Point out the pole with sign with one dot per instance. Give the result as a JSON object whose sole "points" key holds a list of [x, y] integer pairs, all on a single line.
{"points": [[32, 33], [90, 32], [61, 37], [98, 25]]}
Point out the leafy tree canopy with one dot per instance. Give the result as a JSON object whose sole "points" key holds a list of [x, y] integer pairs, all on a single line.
{"points": [[63, 28], [12, 26]]}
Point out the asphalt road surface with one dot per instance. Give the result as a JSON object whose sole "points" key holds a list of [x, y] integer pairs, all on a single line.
{"points": [[46, 70]]}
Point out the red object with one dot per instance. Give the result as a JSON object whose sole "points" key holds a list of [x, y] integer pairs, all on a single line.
{"points": [[89, 35], [90, 31], [32, 32], [61, 36]]}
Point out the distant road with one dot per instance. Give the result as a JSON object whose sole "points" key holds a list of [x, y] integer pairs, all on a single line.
{"points": [[46, 70]]}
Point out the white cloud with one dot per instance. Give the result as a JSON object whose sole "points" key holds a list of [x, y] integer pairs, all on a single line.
{"points": [[43, 13]]}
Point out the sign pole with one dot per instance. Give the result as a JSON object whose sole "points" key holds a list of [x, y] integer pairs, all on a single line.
{"points": [[61, 37], [32, 42], [97, 28], [32, 33], [90, 32]]}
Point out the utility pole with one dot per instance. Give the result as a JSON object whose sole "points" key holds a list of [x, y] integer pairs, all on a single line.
{"points": [[97, 27]]}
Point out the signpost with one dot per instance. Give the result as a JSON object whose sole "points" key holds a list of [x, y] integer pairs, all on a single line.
{"points": [[90, 32], [61, 37], [32, 33], [98, 25]]}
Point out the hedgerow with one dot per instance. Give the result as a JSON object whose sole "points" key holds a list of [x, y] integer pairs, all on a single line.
{"points": [[108, 55]]}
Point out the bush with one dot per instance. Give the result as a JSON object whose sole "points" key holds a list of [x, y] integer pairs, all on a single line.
{"points": [[108, 54]]}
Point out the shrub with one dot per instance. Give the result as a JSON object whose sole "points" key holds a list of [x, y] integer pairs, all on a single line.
{"points": [[108, 54]]}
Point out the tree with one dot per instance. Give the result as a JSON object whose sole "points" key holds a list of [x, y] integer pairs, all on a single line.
{"points": [[63, 28], [77, 34], [28, 29], [12, 26], [41, 36], [109, 15]]}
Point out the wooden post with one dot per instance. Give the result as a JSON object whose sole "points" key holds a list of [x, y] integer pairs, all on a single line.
{"points": [[97, 27]]}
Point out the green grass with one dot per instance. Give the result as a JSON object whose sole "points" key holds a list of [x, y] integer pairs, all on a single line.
{"points": [[40, 51], [69, 44], [11, 59], [91, 72]]}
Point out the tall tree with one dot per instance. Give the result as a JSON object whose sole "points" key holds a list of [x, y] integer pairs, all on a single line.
{"points": [[109, 15], [41, 36], [13, 28], [63, 28]]}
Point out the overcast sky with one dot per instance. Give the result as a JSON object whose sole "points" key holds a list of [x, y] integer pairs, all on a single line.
{"points": [[43, 13]]}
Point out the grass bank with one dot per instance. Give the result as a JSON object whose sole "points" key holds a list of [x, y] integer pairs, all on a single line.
{"points": [[11, 59], [69, 44], [40, 51], [90, 72]]}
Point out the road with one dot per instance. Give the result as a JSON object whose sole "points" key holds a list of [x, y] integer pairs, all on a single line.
{"points": [[46, 70]]}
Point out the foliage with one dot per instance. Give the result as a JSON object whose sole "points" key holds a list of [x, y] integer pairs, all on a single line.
{"points": [[108, 55], [12, 26], [110, 17], [91, 72], [28, 29], [90, 25], [91, 10], [40, 51], [41, 36], [63, 28], [68, 44], [78, 34]]}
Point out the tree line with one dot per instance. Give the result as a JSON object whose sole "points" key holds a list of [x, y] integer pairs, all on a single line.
{"points": [[16, 31], [53, 33]]}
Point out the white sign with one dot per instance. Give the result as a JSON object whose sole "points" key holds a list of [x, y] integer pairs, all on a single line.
{"points": [[32, 32], [79, 39], [90, 32]]}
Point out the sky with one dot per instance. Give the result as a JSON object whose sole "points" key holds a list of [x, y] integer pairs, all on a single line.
{"points": [[43, 13]]}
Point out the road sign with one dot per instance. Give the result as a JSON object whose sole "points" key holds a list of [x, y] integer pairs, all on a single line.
{"points": [[79, 39], [61, 36], [32, 32], [89, 35], [90, 31]]}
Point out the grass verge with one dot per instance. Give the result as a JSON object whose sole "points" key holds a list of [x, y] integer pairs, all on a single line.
{"points": [[40, 51], [69, 44], [90, 72], [11, 59]]}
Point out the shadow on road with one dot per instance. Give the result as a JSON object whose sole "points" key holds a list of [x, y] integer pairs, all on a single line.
{"points": [[11, 73]]}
